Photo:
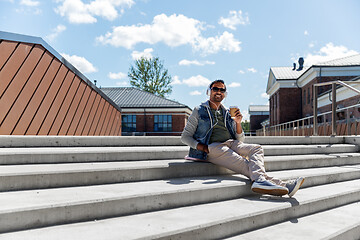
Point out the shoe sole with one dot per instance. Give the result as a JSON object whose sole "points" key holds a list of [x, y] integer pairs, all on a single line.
{"points": [[275, 192], [297, 187]]}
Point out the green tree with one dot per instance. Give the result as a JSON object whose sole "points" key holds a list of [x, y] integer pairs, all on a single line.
{"points": [[246, 126], [150, 75]]}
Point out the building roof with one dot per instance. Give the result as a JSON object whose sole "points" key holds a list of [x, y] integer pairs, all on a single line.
{"points": [[37, 40], [353, 60], [259, 108], [287, 73], [131, 97]]}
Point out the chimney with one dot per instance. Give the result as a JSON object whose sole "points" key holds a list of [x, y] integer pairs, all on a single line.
{"points": [[301, 63], [294, 68]]}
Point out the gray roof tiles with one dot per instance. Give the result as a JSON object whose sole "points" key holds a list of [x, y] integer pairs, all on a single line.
{"points": [[286, 73], [353, 60], [282, 73], [131, 97]]}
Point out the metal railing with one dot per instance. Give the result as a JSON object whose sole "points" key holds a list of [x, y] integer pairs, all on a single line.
{"points": [[333, 105], [303, 126]]}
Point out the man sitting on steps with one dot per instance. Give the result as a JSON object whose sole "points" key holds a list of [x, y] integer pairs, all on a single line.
{"points": [[214, 136]]}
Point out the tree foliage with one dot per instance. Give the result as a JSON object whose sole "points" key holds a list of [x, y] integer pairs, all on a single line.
{"points": [[150, 75]]}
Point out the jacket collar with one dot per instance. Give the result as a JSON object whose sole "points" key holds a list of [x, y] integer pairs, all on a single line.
{"points": [[207, 104]]}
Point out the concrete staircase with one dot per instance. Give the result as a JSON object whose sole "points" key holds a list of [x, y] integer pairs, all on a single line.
{"points": [[142, 188]]}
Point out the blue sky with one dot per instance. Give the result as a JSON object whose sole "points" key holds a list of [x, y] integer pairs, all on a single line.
{"points": [[198, 40]]}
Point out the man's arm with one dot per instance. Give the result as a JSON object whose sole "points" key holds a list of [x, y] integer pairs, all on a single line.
{"points": [[239, 131], [190, 128], [189, 131]]}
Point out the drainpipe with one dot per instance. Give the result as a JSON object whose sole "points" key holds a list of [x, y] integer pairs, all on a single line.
{"points": [[301, 101], [145, 128]]}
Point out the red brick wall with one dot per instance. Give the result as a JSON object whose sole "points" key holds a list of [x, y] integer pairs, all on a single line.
{"points": [[354, 112], [285, 105], [256, 120]]}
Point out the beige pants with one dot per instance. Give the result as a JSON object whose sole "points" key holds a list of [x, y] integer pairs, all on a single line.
{"points": [[246, 159]]}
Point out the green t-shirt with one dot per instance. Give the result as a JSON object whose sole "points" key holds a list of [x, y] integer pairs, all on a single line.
{"points": [[220, 132]]}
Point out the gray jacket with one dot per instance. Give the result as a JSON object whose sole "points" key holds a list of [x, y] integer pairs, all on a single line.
{"points": [[199, 128]]}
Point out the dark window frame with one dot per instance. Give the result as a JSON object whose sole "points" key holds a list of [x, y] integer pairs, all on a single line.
{"points": [[162, 123], [128, 123]]}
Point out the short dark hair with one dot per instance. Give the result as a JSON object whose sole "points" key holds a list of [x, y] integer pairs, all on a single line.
{"points": [[217, 81]]}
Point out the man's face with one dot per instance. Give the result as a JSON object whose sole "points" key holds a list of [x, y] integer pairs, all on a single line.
{"points": [[216, 95]]}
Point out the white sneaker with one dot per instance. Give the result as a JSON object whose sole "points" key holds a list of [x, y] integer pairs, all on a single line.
{"points": [[267, 187], [294, 185]]}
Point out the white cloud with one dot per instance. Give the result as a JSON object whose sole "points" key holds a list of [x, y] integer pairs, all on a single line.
{"points": [[234, 18], [30, 3], [80, 63], [225, 42], [176, 81], [264, 95], [234, 85], [185, 62], [146, 54], [245, 114], [327, 53], [76, 11], [55, 32], [306, 33], [118, 75], [197, 81], [269, 36], [122, 84], [194, 93], [241, 71], [174, 30], [311, 45], [253, 70]]}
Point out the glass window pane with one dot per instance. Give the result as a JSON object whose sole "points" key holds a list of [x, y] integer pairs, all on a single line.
{"points": [[169, 118], [134, 118], [156, 118], [160, 118]]}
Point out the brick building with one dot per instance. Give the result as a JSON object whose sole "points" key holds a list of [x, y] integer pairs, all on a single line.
{"points": [[291, 89], [144, 113], [258, 114], [43, 94]]}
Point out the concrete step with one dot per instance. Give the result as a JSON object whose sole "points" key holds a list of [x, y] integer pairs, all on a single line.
{"points": [[100, 154], [294, 140], [38, 208], [87, 141], [112, 141], [204, 221], [338, 223], [38, 176], [273, 163], [278, 150], [89, 154]]}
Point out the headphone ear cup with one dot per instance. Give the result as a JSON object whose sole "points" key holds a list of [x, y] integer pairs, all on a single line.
{"points": [[208, 91], [225, 94]]}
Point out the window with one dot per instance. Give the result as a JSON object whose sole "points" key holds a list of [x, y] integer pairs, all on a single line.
{"points": [[128, 123], [162, 123]]}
